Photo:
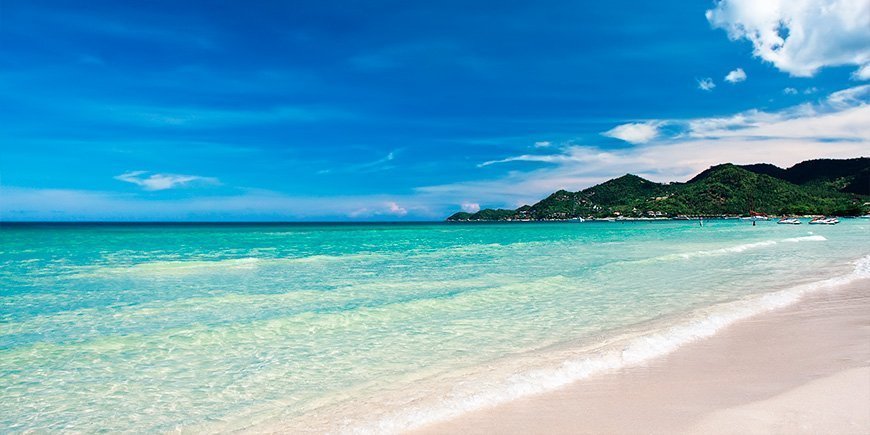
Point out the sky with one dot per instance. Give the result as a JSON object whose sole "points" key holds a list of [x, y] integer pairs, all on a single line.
{"points": [[396, 110]]}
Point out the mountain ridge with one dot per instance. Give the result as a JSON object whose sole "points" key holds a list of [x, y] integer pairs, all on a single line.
{"points": [[822, 186]]}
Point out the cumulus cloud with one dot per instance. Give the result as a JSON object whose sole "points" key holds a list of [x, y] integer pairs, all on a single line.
{"points": [[641, 132], [706, 84], [736, 76], [800, 36], [163, 181], [790, 91], [470, 207], [542, 144]]}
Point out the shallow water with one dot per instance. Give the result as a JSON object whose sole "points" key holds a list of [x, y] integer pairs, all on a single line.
{"points": [[377, 326]]}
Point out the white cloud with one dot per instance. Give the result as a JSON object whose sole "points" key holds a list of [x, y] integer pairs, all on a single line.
{"points": [[856, 96], [542, 144], [706, 84], [811, 90], [790, 91], [381, 164], [800, 36], [634, 132], [543, 158], [833, 128], [396, 209], [713, 126], [67, 204], [470, 207], [163, 181], [388, 208], [736, 76]]}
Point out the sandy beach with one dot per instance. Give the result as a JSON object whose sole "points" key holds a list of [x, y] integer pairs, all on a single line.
{"points": [[801, 369]]}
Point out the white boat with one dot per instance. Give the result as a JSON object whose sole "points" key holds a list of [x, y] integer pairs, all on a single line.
{"points": [[825, 221], [755, 218], [789, 221]]}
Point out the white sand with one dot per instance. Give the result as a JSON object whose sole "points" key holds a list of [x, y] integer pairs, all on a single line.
{"points": [[802, 369], [840, 401]]}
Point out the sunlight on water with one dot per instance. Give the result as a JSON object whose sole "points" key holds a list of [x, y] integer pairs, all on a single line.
{"points": [[162, 327]]}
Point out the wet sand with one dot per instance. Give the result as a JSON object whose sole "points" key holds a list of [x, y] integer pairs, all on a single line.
{"points": [[801, 369]]}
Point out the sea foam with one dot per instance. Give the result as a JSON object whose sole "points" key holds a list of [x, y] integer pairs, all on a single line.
{"points": [[750, 246], [620, 353]]}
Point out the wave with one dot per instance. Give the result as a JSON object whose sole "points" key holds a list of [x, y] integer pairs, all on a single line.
{"points": [[815, 238], [185, 267], [745, 247], [621, 352]]}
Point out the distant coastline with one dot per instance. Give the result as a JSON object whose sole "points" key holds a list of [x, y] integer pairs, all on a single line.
{"points": [[810, 188]]}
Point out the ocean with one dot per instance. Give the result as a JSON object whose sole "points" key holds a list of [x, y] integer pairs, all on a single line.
{"points": [[368, 327]]}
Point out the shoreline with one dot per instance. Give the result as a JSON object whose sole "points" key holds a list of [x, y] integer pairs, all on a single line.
{"points": [[804, 367], [453, 399]]}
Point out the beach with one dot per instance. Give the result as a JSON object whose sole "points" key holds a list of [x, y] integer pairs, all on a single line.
{"points": [[388, 328], [804, 368], [443, 217]]}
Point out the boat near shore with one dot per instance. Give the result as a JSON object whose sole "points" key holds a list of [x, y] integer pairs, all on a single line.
{"points": [[789, 221], [825, 221]]}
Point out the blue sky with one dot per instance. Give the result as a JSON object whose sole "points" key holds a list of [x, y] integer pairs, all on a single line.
{"points": [[406, 110]]}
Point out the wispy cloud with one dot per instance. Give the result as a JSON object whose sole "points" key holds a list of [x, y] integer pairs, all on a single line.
{"points": [[736, 76], [382, 164], [164, 181], [706, 84], [542, 158], [67, 204], [855, 96], [133, 27], [177, 116], [835, 127]]}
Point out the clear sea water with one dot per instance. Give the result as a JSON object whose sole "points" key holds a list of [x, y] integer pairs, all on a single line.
{"points": [[367, 327]]}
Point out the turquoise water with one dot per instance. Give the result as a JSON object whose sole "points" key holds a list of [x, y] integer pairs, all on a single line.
{"points": [[378, 327]]}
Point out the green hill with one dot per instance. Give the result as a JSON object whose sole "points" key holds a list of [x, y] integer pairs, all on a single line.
{"points": [[836, 187], [847, 175], [559, 205], [625, 192], [483, 215]]}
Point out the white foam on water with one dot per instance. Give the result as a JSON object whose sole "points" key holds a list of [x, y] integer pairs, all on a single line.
{"points": [[815, 238], [190, 267], [620, 353], [172, 268], [749, 246]]}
